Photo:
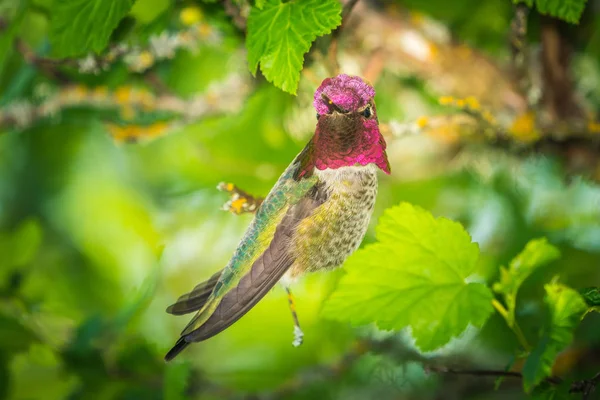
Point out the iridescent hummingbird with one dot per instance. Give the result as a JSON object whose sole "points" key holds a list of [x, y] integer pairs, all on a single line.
{"points": [[315, 216]]}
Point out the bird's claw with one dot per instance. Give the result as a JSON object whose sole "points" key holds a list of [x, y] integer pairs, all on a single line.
{"points": [[240, 202]]}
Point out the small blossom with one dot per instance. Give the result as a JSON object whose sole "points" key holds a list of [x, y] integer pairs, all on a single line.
{"points": [[88, 65], [163, 45], [21, 112], [42, 91]]}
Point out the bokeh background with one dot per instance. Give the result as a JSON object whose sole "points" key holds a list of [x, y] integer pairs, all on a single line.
{"points": [[109, 208]]}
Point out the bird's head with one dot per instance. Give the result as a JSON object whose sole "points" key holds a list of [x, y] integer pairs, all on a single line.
{"points": [[347, 132]]}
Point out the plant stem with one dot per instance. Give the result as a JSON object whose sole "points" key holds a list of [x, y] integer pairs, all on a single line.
{"points": [[512, 324]]}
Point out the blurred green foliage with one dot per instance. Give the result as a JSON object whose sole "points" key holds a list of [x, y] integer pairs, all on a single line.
{"points": [[97, 237]]}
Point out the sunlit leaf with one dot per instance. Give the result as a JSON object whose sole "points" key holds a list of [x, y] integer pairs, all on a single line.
{"points": [[80, 26], [566, 308], [281, 33], [569, 10], [418, 274], [536, 253]]}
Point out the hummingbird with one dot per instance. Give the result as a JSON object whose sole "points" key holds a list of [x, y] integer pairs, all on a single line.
{"points": [[314, 217]]}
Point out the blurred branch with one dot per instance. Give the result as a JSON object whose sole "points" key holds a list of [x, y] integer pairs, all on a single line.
{"points": [[518, 46], [319, 373], [471, 124], [558, 90], [586, 387], [47, 66], [161, 46], [332, 53], [238, 11], [397, 351], [401, 44], [486, 372], [131, 103]]}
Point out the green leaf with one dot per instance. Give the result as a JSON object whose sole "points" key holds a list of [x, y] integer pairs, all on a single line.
{"points": [[146, 11], [551, 391], [26, 242], [14, 336], [528, 3], [591, 295], [18, 248], [569, 10], [281, 33], [7, 37], [177, 378], [536, 253], [80, 26], [566, 308], [418, 274]]}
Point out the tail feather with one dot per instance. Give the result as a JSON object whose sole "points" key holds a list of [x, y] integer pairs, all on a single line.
{"points": [[178, 348], [196, 299]]}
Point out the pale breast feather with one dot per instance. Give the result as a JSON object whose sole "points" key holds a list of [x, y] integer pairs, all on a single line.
{"points": [[335, 229]]}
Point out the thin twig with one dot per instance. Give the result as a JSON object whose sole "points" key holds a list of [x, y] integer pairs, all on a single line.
{"points": [[473, 372], [518, 45], [553, 380], [335, 35], [586, 387], [46, 65], [348, 7]]}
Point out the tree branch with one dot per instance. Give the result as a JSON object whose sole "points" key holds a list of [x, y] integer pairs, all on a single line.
{"points": [[137, 58], [586, 387]]}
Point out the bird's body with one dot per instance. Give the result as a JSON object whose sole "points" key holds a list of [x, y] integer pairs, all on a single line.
{"points": [[335, 230], [314, 217]]}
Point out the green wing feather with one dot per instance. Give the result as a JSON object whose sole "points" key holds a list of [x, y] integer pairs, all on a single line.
{"points": [[258, 262]]}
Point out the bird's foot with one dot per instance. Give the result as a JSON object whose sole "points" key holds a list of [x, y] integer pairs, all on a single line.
{"points": [[240, 201], [298, 336]]}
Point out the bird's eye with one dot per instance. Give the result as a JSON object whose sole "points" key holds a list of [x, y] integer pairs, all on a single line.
{"points": [[367, 112], [318, 115]]}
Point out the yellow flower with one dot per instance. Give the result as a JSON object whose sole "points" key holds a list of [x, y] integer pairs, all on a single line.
{"points": [[156, 129], [594, 127], [446, 100], [190, 16], [123, 94], [74, 93], [422, 122], [145, 60], [523, 128], [472, 103]]}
